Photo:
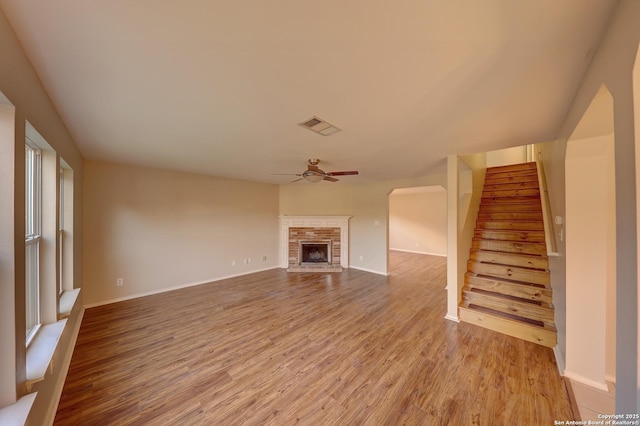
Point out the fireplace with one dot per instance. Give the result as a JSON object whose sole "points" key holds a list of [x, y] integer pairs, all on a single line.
{"points": [[315, 252], [314, 243]]}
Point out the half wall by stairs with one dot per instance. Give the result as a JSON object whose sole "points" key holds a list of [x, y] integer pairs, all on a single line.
{"points": [[507, 284]]}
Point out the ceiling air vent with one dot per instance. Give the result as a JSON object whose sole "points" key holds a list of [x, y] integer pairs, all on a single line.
{"points": [[319, 126]]}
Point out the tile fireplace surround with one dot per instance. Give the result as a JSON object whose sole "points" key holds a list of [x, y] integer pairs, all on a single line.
{"points": [[294, 229]]}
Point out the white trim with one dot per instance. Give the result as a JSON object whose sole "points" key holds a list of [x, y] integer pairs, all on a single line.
{"points": [[40, 352], [64, 370], [587, 382], [17, 413], [67, 301], [452, 318], [610, 379], [369, 270], [178, 287], [418, 252], [559, 360]]}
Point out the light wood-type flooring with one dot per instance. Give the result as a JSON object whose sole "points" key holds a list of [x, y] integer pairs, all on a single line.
{"points": [[278, 348]]}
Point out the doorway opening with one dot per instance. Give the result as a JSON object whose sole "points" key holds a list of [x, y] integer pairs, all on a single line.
{"points": [[417, 223]]}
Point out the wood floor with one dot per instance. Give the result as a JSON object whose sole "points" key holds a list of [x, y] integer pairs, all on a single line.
{"points": [[278, 348]]}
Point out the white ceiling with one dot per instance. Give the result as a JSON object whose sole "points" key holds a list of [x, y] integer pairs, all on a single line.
{"points": [[218, 87]]}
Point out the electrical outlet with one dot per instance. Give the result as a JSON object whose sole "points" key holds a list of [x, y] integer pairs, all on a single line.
{"points": [[119, 282], [361, 257], [233, 263]]}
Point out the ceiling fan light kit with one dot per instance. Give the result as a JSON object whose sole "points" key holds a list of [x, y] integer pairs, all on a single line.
{"points": [[314, 175]]}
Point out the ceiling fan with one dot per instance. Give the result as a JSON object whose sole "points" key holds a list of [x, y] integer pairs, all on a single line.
{"points": [[314, 174]]}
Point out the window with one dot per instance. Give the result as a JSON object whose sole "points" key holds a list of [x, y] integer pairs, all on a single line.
{"points": [[33, 222], [60, 230], [65, 232]]}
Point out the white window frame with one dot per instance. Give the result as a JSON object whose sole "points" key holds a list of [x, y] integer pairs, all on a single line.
{"points": [[60, 231], [33, 236]]}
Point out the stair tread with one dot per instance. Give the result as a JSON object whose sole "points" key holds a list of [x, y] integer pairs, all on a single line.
{"points": [[518, 268], [515, 255], [511, 173], [532, 304], [527, 261], [523, 310], [509, 246], [525, 275], [509, 317], [498, 179], [509, 208], [530, 243], [508, 169], [529, 200], [510, 225], [522, 290], [507, 280], [518, 166], [511, 236], [509, 216], [528, 184], [540, 333], [515, 192]]}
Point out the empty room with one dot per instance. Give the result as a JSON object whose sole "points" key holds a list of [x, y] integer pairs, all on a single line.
{"points": [[242, 213]]}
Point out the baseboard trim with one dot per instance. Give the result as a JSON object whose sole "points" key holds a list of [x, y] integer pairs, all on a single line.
{"points": [[369, 270], [164, 290], [587, 382], [573, 402], [452, 318], [559, 359], [418, 252]]}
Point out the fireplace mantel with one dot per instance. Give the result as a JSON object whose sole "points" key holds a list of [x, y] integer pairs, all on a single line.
{"points": [[341, 222]]}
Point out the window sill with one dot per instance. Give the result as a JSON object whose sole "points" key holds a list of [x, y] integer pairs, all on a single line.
{"points": [[67, 301], [40, 352], [16, 413]]}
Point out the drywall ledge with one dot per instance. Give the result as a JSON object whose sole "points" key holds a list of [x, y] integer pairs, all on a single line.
{"points": [[40, 351], [16, 414], [67, 302]]}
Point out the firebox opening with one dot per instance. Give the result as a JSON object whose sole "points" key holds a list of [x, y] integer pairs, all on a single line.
{"points": [[314, 253]]}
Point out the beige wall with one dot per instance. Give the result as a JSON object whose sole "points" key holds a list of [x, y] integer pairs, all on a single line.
{"points": [[159, 230], [612, 66], [368, 203], [465, 176], [505, 157], [590, 235], [418, 221], [22, 89]]}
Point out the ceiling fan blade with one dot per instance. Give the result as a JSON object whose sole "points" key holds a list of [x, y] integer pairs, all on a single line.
{"points": [[297, 180], [330, 179], [347, 173], [285, 174]]}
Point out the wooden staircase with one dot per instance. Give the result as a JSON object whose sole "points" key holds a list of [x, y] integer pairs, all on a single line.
{"points": [[507, 284]]}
